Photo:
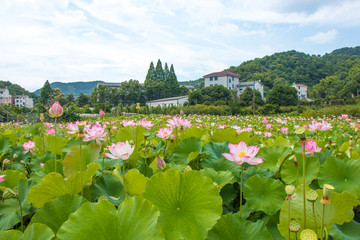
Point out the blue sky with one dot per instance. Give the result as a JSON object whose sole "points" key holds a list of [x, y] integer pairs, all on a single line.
{"points": [[115, 40]]}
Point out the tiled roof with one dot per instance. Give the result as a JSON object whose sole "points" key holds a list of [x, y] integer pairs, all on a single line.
{"points": [[223, 73], [300, 85], [167, 99]]}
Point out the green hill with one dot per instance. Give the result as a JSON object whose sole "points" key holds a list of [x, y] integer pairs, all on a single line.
{"points": [[15, 89], [74, 88]]}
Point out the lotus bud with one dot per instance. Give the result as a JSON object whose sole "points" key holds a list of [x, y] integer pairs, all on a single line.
{"points": [[8, 193], [160, 163], [102, 113], [327, 190], [181, 112], [22, 162], [56, 110], [146, 134]]}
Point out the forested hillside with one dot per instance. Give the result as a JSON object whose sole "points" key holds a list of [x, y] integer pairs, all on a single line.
{"points": [[74, 88], [336, 71], [15, 89]]}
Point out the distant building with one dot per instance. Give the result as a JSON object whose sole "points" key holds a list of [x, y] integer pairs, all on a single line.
{"points": [[257, 84], [301, 90], [225, 78], [5, 97], [23, 101], [190, 87], [165, 102]]}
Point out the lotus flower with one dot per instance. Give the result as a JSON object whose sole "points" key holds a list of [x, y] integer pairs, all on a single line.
{"points": [[311, 147], [240, 153], [165, 133], [160, 163], [50, 131], [2, 178], [96, 132], [56, 110], [121, 150], [29, 146], [284, 130], [146, 124]]}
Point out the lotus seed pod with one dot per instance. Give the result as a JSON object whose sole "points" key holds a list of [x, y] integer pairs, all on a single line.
{"points": [[131, 142], [308, 234], [81, 127], [311, 195], [294, 226], [146, 134], [6, 162], [327, 190], [290, 189]]}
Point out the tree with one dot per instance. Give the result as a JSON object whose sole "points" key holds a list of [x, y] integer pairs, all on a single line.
{"points": [[248, 95], [283, 96], [70, 98], [159, 72], [215, 93], [195, 97], [150, 76], [46, 92], [82, 100]]}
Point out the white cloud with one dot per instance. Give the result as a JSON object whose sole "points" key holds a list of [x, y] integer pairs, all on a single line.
{"points": [[323, 37]]}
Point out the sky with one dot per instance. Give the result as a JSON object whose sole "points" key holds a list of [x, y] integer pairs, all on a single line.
{"points": [[115, 40]]}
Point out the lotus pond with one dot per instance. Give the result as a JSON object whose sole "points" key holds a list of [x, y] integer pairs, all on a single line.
{"points": [[181, 177]]}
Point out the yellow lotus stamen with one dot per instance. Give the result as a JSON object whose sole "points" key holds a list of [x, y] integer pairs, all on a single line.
{"points": [[242, 154]]}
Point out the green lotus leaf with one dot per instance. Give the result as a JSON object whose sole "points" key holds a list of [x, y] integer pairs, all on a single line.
{"points": [[38, 231], [264, 194], [273, 156], [10, 208], [36, 160], [54, 144], [184, 149], [5, 144], [135, 219], [189, 203], [347, 231], [134, 182], [132, 133], [229, 135], [193, 132], [11, 234], [214, 159], [11, 135], [109, 186], [220, 177], [253, 170], [71, 164], [47, 168], [339, 210], [56, 212], [279, 141], [343, 174], [324, 154], [12, 177], [233, 227], [53, 185], [289, 172]]}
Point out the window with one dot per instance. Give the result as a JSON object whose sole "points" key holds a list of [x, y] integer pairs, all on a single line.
{"points": [[299, 87], [216, 78], [215, 84], [233, 85], [229, 88], [229, 80], [211, 85], [211, 78]]}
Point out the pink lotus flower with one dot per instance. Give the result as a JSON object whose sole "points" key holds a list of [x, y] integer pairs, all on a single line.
{"points": [[165, 133], [102, 113], [319, 126], [268, 126], [267, 134], [2, 178], [29, 146], [121, 150], [178, 122], [96, 132], [56, 110], [128, 123], [240, 153], [146, 124], [41, 165], [284, 130], [50, 131], [311, 147]]}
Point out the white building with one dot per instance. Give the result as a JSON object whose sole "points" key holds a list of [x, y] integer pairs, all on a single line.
{"points": [[301, 90], [253, 84], [226, 79], [5, 97], [164, 102], [23, 101]]}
